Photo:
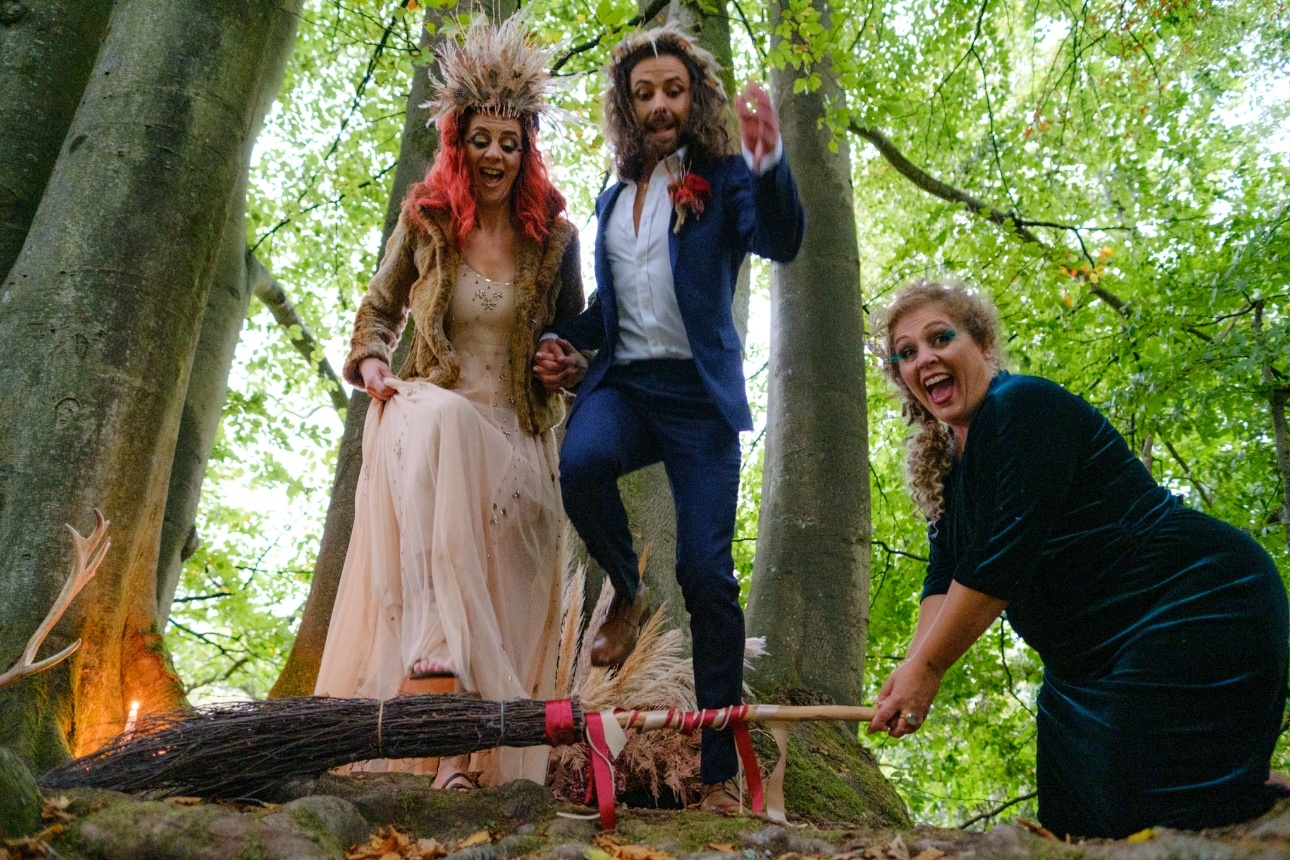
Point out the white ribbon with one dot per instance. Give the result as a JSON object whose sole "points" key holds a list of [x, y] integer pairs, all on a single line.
{"points": [[615, 737]]}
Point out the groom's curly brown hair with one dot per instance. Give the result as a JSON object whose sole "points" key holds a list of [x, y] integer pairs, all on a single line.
{"points": [[707, 131]]}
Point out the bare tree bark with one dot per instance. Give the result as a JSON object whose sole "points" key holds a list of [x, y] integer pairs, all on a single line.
{"points": [[810, 586], [226, 304], [301, 670], [47, 51], [99, 320]]}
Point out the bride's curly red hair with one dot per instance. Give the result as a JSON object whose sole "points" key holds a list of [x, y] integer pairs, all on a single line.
{"points": [[447, 185]]}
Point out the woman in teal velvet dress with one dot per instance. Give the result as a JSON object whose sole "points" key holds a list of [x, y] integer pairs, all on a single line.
{"points": [[1163, 631]]}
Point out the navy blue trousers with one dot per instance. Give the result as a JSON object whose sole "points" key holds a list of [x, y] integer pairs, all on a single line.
{"points": [[642, 413]]}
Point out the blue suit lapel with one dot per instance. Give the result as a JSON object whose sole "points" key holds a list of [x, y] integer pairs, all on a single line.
{"points": [[673, 242], [674, 235], [604, 272]]}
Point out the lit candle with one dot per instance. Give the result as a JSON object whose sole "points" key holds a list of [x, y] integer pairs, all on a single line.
{"points": [[129, 722]]}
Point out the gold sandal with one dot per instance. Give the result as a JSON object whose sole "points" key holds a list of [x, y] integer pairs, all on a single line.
{"points": [[459, 781]]}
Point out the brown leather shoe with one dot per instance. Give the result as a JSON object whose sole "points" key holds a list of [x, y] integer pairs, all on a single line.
{"points": [[617, 636], [721, 798]]}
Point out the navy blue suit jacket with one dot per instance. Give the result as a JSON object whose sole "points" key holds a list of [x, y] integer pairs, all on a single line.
{"points": [[758, 214]]}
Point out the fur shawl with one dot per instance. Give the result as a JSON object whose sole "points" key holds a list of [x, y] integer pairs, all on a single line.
{"points": [[417, 276]]}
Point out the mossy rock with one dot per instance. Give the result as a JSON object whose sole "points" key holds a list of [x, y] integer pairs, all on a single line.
{"points": [[126, 829], [333, 821], [19, 797], [408, 801], [691, 831], [681, 831]]}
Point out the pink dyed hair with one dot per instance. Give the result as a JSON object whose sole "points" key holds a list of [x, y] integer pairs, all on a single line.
{"points": [[447, 185]]}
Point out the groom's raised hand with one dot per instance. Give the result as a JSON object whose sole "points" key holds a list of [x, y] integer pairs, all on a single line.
{"points": [[758, 122]]}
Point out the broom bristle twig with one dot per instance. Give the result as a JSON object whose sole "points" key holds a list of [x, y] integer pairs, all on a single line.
{"points": [[242, 749]]}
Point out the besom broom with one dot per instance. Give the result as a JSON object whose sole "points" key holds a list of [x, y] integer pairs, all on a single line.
{"points": [[241, 750]]}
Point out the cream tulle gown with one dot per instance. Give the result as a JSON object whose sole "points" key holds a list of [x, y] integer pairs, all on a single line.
{"points": [[456, 549]]}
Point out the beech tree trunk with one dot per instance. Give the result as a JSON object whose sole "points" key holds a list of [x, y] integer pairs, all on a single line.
{"points": [[226, 305], [47, 49], [810, 586], [99, 320], [301, 670]]}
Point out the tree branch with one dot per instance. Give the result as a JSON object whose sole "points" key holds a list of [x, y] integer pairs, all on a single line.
{"points": [[1019, 226], [756, 43], [1277, 408], [1182, 464], [268, 290], [653, 9], [935, 187], [357, 101], [1000, 808], [335, 200], [893, 551]]}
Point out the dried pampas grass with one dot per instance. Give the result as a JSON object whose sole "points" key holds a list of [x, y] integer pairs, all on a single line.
{"points": [[656, 676]]}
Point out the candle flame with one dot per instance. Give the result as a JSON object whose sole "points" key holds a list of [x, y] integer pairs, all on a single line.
{"points": [[129, 722]]}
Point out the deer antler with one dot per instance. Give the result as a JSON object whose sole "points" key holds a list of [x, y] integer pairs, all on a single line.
{"points": [[89, 554]]}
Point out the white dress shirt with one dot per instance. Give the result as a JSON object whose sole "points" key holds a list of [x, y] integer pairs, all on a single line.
{"points": [[649, 320]]}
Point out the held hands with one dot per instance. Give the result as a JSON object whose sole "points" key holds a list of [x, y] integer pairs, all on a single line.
{"points": [[905, 699], [758, 122], [375, 372], [557, 365]]}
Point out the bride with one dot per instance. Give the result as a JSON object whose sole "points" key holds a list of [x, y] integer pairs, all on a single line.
{"points": [[453, 570]]}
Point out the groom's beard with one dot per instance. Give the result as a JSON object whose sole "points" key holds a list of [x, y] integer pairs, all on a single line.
{"points": [[655, 149]]}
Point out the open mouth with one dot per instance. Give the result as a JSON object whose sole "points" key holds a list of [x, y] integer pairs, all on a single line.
{"points": [[939, 388], [660, 124], [490, 175]]}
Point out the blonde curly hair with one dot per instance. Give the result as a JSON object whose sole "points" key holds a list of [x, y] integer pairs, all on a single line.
{"points": [[931, 446]]}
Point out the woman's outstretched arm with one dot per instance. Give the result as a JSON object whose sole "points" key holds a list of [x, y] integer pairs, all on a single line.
{"points": [[947, 627]]}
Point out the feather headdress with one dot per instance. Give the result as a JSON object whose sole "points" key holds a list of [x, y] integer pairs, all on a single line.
{"points": [[498, 69]]}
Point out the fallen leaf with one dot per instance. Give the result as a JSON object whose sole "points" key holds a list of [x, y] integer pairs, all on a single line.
{"points": [[1141, 836], [430, 849], [896, 849], [640, 852], [483, 837], [55, 809], [596, 854], [607, 841], [1037, 829], [720, 846], [185, 801], [385, 843], [929, 854]]}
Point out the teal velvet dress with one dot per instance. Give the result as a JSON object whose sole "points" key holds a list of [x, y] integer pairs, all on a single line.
{"points": [[1163, 631]]}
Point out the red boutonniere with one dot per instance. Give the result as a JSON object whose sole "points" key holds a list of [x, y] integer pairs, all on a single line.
{"points": [[688, 192]]}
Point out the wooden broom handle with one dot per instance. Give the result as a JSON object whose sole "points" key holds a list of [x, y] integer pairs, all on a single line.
{"points": [[756, 713]]}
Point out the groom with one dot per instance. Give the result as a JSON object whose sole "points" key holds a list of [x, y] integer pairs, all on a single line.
{"points": [[667, 381]]}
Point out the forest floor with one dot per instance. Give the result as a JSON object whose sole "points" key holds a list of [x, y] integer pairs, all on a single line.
{"points": [[395, 816]]}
